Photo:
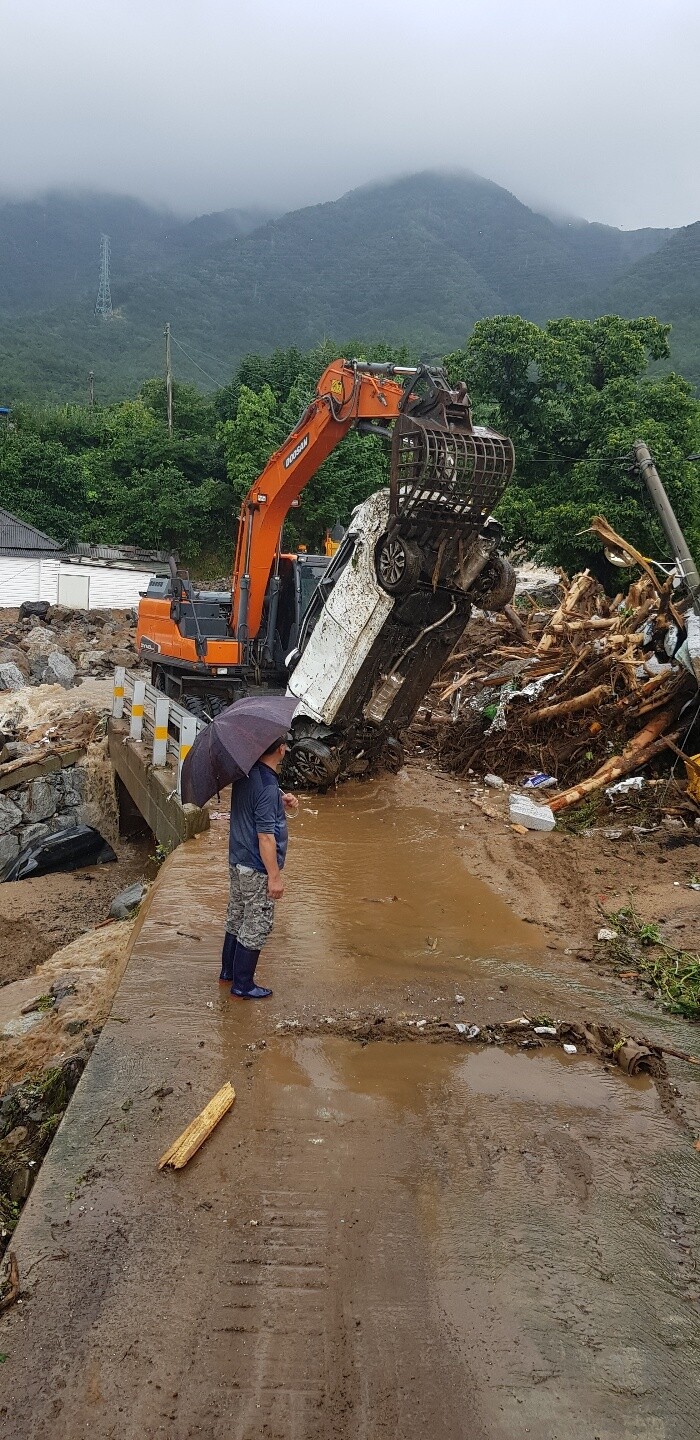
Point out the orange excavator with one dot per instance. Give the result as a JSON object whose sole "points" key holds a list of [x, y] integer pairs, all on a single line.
{"points": [[207, 648]]}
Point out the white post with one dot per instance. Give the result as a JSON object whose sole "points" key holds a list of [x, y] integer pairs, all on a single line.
{"points": [[160, 731], [137, 699], [118, 693], [188, 735]]}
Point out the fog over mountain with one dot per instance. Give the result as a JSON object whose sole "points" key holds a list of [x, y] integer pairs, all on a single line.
{"points": [[590, 109]]}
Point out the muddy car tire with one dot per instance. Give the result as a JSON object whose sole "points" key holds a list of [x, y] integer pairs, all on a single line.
{"points": [[313, 764], [398, 564], [496, 586]]}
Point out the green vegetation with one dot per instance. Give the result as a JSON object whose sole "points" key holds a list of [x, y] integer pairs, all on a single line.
{"points": [[418, 260], [574, 395], [673, 975]]}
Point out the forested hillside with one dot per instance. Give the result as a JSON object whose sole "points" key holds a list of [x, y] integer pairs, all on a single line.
{"points": [[417, 261]]}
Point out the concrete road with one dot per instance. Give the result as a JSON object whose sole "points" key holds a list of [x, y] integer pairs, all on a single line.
{"points": [[379, 1240]]}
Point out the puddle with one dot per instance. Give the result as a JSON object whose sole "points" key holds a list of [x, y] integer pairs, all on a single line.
{"points": [[378, 887]]}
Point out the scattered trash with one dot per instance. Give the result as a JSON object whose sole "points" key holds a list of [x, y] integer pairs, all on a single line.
{"points": [[545, 1029], [524, 811], [461, 1028], [605, 934], [516, 1024], [632, 1057], [569, 1049], [459, 999], [472, 1032], [495, 782], [188, 1143], [539, 781], [625, 787]]}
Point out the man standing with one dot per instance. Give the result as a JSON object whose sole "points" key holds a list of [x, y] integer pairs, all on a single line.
{"points": [[257, 851]]}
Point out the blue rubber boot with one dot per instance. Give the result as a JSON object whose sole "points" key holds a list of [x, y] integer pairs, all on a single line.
{"points": [[244, 987], [227, 955]]}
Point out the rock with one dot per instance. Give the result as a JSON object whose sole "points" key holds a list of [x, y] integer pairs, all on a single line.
{"points": [[73, 783], [9, 848], [39, 608], [607, 935], [40, 800], [10, 814], [524, 811], [31, 834], [11, 677], [122, 657], [123, 905], [40, 641], [92, 661], [495, 782], [14, 655], [59, 670], [65, 820], [14, 750]]}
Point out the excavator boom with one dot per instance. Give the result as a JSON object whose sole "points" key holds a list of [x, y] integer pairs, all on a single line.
{"points": [[347, 391]]}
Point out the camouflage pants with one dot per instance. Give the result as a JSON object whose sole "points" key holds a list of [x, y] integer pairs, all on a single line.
{"points": [[250, 913]]}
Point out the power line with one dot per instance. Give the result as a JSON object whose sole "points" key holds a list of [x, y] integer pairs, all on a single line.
{"points": [[214, 381]]}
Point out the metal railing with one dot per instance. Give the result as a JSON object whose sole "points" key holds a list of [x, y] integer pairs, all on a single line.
{"points": [[154, 720]]}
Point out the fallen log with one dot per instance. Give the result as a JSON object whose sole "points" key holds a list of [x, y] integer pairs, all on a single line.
{"points": [[587, 701], [647, 743]]}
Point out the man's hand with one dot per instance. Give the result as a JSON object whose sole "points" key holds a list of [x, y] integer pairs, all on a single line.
{"points": [[268, 855], [290, 802], [275, 886]]}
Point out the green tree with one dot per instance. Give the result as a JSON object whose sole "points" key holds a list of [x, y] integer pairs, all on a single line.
{"points": [[574, 396]]}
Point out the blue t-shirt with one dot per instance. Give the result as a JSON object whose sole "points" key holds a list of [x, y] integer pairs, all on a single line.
{"points": [[256, 809]]}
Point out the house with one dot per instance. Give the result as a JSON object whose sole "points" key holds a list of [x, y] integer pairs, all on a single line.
{"points": [[85, 577]]}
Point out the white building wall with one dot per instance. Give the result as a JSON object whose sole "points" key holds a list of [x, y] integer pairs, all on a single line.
{"points": [[19, 580], [110, 587]]}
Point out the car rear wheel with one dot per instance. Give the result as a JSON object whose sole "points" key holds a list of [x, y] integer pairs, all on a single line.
{"points": [[496, 585], [398, 564]]}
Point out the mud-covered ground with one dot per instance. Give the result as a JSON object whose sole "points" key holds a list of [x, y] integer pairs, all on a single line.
{"points": [[385, 1238]]}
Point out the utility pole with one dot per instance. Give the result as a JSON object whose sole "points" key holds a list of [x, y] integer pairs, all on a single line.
{"points": [[103, 303], [91, 387], [169, 378], [669, 523]]}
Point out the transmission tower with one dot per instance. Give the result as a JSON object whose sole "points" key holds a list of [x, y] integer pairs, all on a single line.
{"points": [[103, 303]]}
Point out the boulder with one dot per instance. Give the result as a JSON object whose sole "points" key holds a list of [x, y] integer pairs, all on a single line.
{"points": [[14, 655], [59, 670], [39, 641], [39, 608], [73, 784], [122, 657], [9, 848], [30, 834], [11, 678], [40, 799], [123, 904], [10, 814]]}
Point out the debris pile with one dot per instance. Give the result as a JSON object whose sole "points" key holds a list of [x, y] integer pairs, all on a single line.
{"points": [[60, 645], [573, 698]]}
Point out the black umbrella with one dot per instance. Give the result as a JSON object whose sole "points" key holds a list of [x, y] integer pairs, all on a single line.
{"points": [[229, 747]]}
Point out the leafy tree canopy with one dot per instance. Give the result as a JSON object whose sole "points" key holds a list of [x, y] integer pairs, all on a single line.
{"points": [[574, 395]]}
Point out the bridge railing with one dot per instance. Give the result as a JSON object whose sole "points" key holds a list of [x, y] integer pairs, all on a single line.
{"points": [[164, 727]]}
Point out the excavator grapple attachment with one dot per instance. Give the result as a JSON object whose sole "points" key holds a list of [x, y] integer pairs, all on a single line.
{"points": [[447, 477]]}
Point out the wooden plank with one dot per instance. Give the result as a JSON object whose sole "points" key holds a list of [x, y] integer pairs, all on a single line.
{"points": [[188, 1143]]}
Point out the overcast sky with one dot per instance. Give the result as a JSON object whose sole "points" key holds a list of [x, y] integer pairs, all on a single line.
{"points": [[591, 106]]}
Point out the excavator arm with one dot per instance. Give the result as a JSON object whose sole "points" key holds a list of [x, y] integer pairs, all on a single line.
{"points": [[348, 391]]}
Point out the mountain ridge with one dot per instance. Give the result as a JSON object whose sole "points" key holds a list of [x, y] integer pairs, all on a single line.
{"points": [[414, 260]]}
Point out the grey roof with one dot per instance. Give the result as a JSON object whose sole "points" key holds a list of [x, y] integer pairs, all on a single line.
{"points": [[17, 537]]}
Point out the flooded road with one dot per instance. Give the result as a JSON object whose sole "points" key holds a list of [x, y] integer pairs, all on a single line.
{"points": [[379, 1239]]}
